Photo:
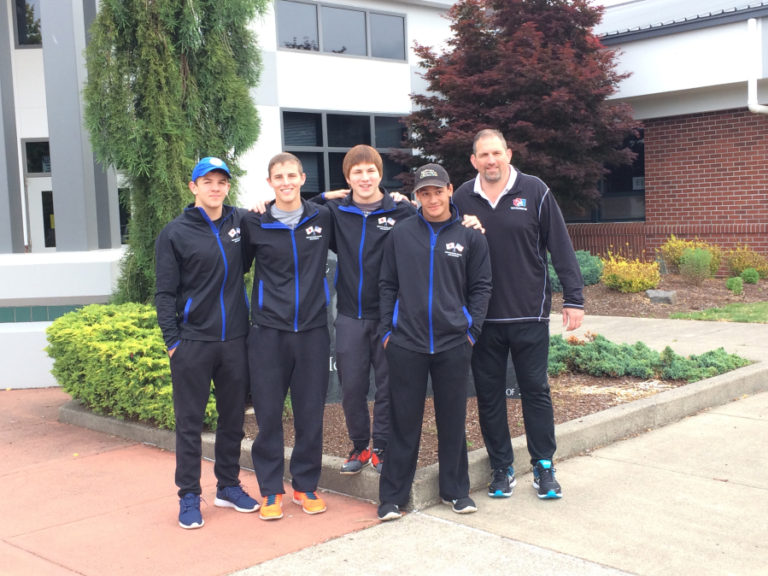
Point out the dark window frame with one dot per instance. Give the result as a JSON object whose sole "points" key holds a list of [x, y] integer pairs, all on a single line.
{"points": [[368, 30], [16, 21], [325, 151], [27, 173]]}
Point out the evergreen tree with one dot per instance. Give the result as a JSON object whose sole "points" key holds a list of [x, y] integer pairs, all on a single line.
{"points": [[534, 70], [168, 83]]}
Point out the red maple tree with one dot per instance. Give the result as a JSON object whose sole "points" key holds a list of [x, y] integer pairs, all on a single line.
{"points": [[535, 70]]}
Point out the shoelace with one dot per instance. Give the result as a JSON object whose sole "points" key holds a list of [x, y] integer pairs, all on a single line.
{"points": [[311, 496], [271, 499]]}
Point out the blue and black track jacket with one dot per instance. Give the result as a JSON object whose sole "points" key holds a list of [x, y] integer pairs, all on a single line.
{"points": [[434, 286], [359, 244], [199, 268], [290, 290], [525, 224]]}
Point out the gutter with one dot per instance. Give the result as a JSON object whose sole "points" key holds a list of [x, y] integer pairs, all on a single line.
{"points": [[756, 66]]}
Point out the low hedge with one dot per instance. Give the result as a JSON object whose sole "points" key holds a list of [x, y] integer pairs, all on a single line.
{"points": [[112, 358]]}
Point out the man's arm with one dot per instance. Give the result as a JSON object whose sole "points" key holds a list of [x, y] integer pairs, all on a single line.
{"points": [[478, 284], [168, 281], [564, 261], [388, 289]]}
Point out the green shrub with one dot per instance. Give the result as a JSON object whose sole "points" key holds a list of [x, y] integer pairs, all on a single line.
{"points": [[735, 285], [672, 253], [591, 270], [601, 357], [743, 257], [750, 276], [625, 275], [695, 265], [113, 359]]}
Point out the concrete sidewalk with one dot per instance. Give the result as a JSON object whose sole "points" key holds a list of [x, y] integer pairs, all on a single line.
{"points": [[689, 496]]}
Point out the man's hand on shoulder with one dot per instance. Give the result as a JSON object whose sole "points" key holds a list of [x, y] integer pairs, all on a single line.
{"points": [[472, 221]]}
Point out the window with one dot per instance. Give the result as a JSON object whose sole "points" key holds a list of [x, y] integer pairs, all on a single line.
{"points": [[338, 30], [28, 23], [622, 191], [321, 139], [37, 158]]}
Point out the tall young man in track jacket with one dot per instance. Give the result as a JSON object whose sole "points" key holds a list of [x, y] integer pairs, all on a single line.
{"points": [[362, 222], [202, 311], [288, 345], [522, 223], [434, 290]]}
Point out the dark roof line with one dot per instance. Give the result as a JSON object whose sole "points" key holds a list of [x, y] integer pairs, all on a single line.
{"points": [[688, 24]]}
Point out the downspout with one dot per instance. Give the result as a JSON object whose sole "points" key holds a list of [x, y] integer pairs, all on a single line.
{"points": [[756, 64]]}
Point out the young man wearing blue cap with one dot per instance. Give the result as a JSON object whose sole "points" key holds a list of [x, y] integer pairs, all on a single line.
{"points": [[203, 314], [435, 283]]}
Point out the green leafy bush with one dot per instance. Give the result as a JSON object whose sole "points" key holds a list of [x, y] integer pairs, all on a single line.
{"points": [[743, 257], [591, 270], [625, 275], [735, 285], [750, 276], [672, 252], [601, 357], [695, 265], [113, 359]]}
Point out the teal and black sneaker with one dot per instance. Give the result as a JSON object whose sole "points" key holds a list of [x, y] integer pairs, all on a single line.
{"points": [[502, 482], [544, 480]]}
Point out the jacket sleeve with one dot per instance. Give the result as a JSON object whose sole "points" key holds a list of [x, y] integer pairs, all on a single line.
{"points": [[478, 283], [388, 288], [559, 245], [168, 283]]}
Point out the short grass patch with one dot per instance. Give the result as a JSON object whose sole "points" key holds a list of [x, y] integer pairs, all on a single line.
{"points": [[756, 312]]}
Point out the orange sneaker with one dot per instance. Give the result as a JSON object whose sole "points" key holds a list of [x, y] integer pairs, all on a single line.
{"points": [[310, 502], [272, 507]]}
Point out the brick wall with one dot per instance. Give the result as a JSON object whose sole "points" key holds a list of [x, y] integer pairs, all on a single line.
{"points": [[706, 177]]}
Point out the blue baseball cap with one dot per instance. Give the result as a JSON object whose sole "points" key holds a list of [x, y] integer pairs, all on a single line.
{"points": [[208, 164]]}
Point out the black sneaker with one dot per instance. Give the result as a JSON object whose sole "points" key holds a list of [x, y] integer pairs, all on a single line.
{"points": [[544, 480], [461, 505], [389, 512], [502, 482]]}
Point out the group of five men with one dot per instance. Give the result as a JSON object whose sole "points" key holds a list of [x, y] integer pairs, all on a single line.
{"points": [[419, 293]]}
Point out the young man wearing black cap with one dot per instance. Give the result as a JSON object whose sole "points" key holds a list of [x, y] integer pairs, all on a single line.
{"points": [[203, 315], [434, 288]]}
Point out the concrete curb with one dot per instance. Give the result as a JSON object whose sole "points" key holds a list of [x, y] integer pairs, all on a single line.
{"points": [[573, 438]]}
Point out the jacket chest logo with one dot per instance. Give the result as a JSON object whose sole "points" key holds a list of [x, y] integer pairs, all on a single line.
{"points": [[314, 232], [454, 249], [234, 235], [518, 204], [385, 223]]}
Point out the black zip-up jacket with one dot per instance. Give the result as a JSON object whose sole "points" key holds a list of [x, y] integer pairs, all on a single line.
{"points": [[290, 289], [434, 286], [525, 224], [200, 293], [359, 244]]}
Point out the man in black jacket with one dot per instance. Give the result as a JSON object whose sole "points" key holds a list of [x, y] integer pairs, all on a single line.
{"points": [[362, 222], [288, 344], [434, 288], [203, 315], [522, 223]]}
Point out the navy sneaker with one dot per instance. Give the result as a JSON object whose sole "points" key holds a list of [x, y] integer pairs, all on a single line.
{"points": [[389, 512], [502, 482], [189, 512], [235, 497], [461, 505], [544, 480]]}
